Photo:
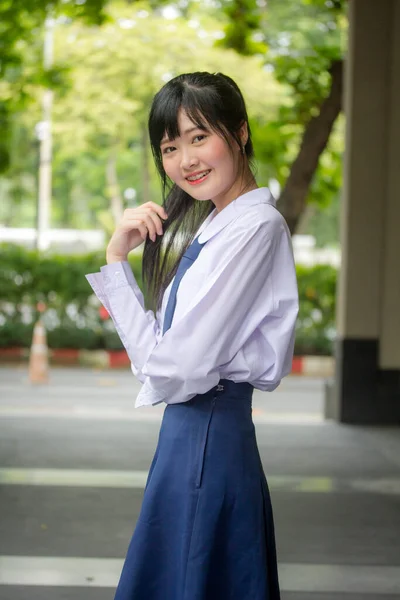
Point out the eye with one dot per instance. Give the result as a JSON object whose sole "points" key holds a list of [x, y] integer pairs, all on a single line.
{"points": [[166, 150], [199, 136]]}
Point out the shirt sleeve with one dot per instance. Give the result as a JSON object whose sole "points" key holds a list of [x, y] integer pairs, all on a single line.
{"points": [[236, 299], [139, 330]]}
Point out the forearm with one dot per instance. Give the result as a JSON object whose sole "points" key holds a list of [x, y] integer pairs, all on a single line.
{"points": [[138, 328], [113, 258]]}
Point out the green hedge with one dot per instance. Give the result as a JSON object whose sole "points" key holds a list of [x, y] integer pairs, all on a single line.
{"points": [[72, 319], [316, 328]]}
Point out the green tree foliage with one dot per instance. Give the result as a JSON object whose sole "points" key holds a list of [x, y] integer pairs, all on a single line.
{"points": [[290, 51], [101, 109], [242, 30], [21, 22], [305, 41]]}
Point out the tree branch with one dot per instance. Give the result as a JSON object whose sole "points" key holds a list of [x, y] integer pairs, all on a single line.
{"points": [[293, 198]]}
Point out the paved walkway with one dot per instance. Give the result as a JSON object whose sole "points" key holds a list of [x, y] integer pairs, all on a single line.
{"points": [[73, 462]]}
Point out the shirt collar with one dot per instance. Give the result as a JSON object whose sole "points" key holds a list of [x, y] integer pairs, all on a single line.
{"points": [[216, 221]]}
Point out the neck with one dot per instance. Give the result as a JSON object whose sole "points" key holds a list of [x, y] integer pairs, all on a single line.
{"points": [[240, 187]]}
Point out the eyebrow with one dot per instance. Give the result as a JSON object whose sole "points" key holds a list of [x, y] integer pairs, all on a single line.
{"points": [[164, 140]]}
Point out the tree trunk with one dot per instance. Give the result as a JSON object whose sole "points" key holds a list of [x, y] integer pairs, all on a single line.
{"points": [[292, 200], [116, 203], [305, 218]]}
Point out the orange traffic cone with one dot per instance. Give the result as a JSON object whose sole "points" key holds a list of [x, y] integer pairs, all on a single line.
{"points": [[38, 359]]}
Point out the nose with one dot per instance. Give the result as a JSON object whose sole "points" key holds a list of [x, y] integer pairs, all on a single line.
{"points": [[188, 159]]}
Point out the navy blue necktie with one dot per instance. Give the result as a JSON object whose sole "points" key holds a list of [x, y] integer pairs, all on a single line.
{"points": [[186, 261]]}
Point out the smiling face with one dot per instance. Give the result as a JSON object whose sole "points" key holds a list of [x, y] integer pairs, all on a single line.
{"points": [[201, 163]]}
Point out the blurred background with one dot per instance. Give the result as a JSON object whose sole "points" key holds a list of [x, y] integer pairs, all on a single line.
{"points": [[321, 79], [77, 82]]}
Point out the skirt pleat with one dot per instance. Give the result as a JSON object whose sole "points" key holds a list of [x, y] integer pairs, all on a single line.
{"points": [[205, 529]]}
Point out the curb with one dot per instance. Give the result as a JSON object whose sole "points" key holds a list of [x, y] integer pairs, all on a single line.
{"points": [[311, 366]]}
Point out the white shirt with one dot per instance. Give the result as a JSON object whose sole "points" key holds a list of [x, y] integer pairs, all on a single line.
{"points": [[235, 314]]}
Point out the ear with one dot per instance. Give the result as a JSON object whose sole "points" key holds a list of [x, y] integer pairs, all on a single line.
{"points": [[243, 133]]}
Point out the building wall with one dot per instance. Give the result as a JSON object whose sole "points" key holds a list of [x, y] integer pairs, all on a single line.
{"points": [[368, 321]]}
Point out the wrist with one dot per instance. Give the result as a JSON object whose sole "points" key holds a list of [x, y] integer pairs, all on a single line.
{"points": [[113, 258]]}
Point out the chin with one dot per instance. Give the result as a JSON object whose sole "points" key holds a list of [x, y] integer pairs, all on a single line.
{"points": [[194, 191], [201, 197]]}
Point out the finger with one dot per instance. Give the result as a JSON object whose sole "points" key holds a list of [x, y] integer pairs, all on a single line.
{"points": [[143, 231], [157, 222], [129, 225], [151, 226], [160, 210], [141, 211], [152, 220], [134, 213], [154, 224]]}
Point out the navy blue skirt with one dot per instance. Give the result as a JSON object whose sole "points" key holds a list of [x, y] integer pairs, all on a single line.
{"points": [[205, 530]]}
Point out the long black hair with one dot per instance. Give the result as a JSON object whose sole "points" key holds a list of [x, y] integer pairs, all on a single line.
{"points": [[210, 101]]}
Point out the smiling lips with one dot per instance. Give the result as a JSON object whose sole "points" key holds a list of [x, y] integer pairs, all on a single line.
{"points": [[198, 177]]}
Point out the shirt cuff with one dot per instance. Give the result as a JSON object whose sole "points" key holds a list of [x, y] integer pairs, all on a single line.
{"points": [[138, 373], [96, 282], [118, 275], [148, 396]]}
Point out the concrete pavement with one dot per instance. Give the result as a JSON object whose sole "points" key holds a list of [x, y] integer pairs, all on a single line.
{"points": [[73, 461]]}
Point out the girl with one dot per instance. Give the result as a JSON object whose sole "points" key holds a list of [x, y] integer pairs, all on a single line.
{"points": [[225, 310]]}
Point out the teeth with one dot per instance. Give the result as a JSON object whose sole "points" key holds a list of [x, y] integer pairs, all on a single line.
{"points": [[199, 176]]}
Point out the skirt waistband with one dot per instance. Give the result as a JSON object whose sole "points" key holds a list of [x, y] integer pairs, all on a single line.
{"points": [[234, 390]]}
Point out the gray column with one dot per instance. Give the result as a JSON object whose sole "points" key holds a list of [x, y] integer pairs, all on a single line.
{"points": [[367, 385]]}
